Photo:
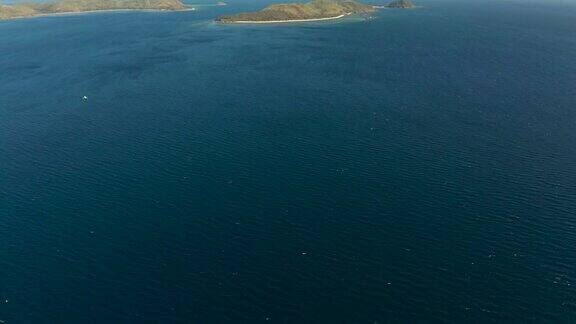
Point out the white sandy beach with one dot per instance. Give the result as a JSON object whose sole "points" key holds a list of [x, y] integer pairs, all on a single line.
{"points": [[285, 21]]}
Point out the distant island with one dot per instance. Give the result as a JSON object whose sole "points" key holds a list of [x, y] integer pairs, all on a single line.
{"points": [[75, 6], [296, 12], [401, 4]]}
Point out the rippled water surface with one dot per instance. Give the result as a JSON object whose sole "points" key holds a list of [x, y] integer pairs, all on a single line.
{"points": [[417, 167]]}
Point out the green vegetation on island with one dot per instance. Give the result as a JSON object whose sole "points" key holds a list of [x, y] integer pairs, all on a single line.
{"points": [[400, 4], [14, 11], [314, 10], [72, 6]]}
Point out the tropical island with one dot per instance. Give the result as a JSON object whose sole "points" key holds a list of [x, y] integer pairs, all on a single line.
{"points": [[76, 6], [297, 12]]}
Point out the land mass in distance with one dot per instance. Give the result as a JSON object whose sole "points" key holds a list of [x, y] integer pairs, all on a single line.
{"points": [[74, 6], [294, 12]]}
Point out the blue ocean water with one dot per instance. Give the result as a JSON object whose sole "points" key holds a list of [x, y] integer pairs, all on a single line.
{"points": [[419, 167]]}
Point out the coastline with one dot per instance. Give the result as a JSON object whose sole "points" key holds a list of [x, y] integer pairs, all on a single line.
{"points": [[284, 21], [72, 13]]}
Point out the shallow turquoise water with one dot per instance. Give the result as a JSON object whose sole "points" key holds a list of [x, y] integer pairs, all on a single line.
{"points": [[420, 167]]}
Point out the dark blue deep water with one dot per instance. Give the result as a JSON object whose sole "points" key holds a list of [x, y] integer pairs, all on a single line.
{"points": [[420, 167]]}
